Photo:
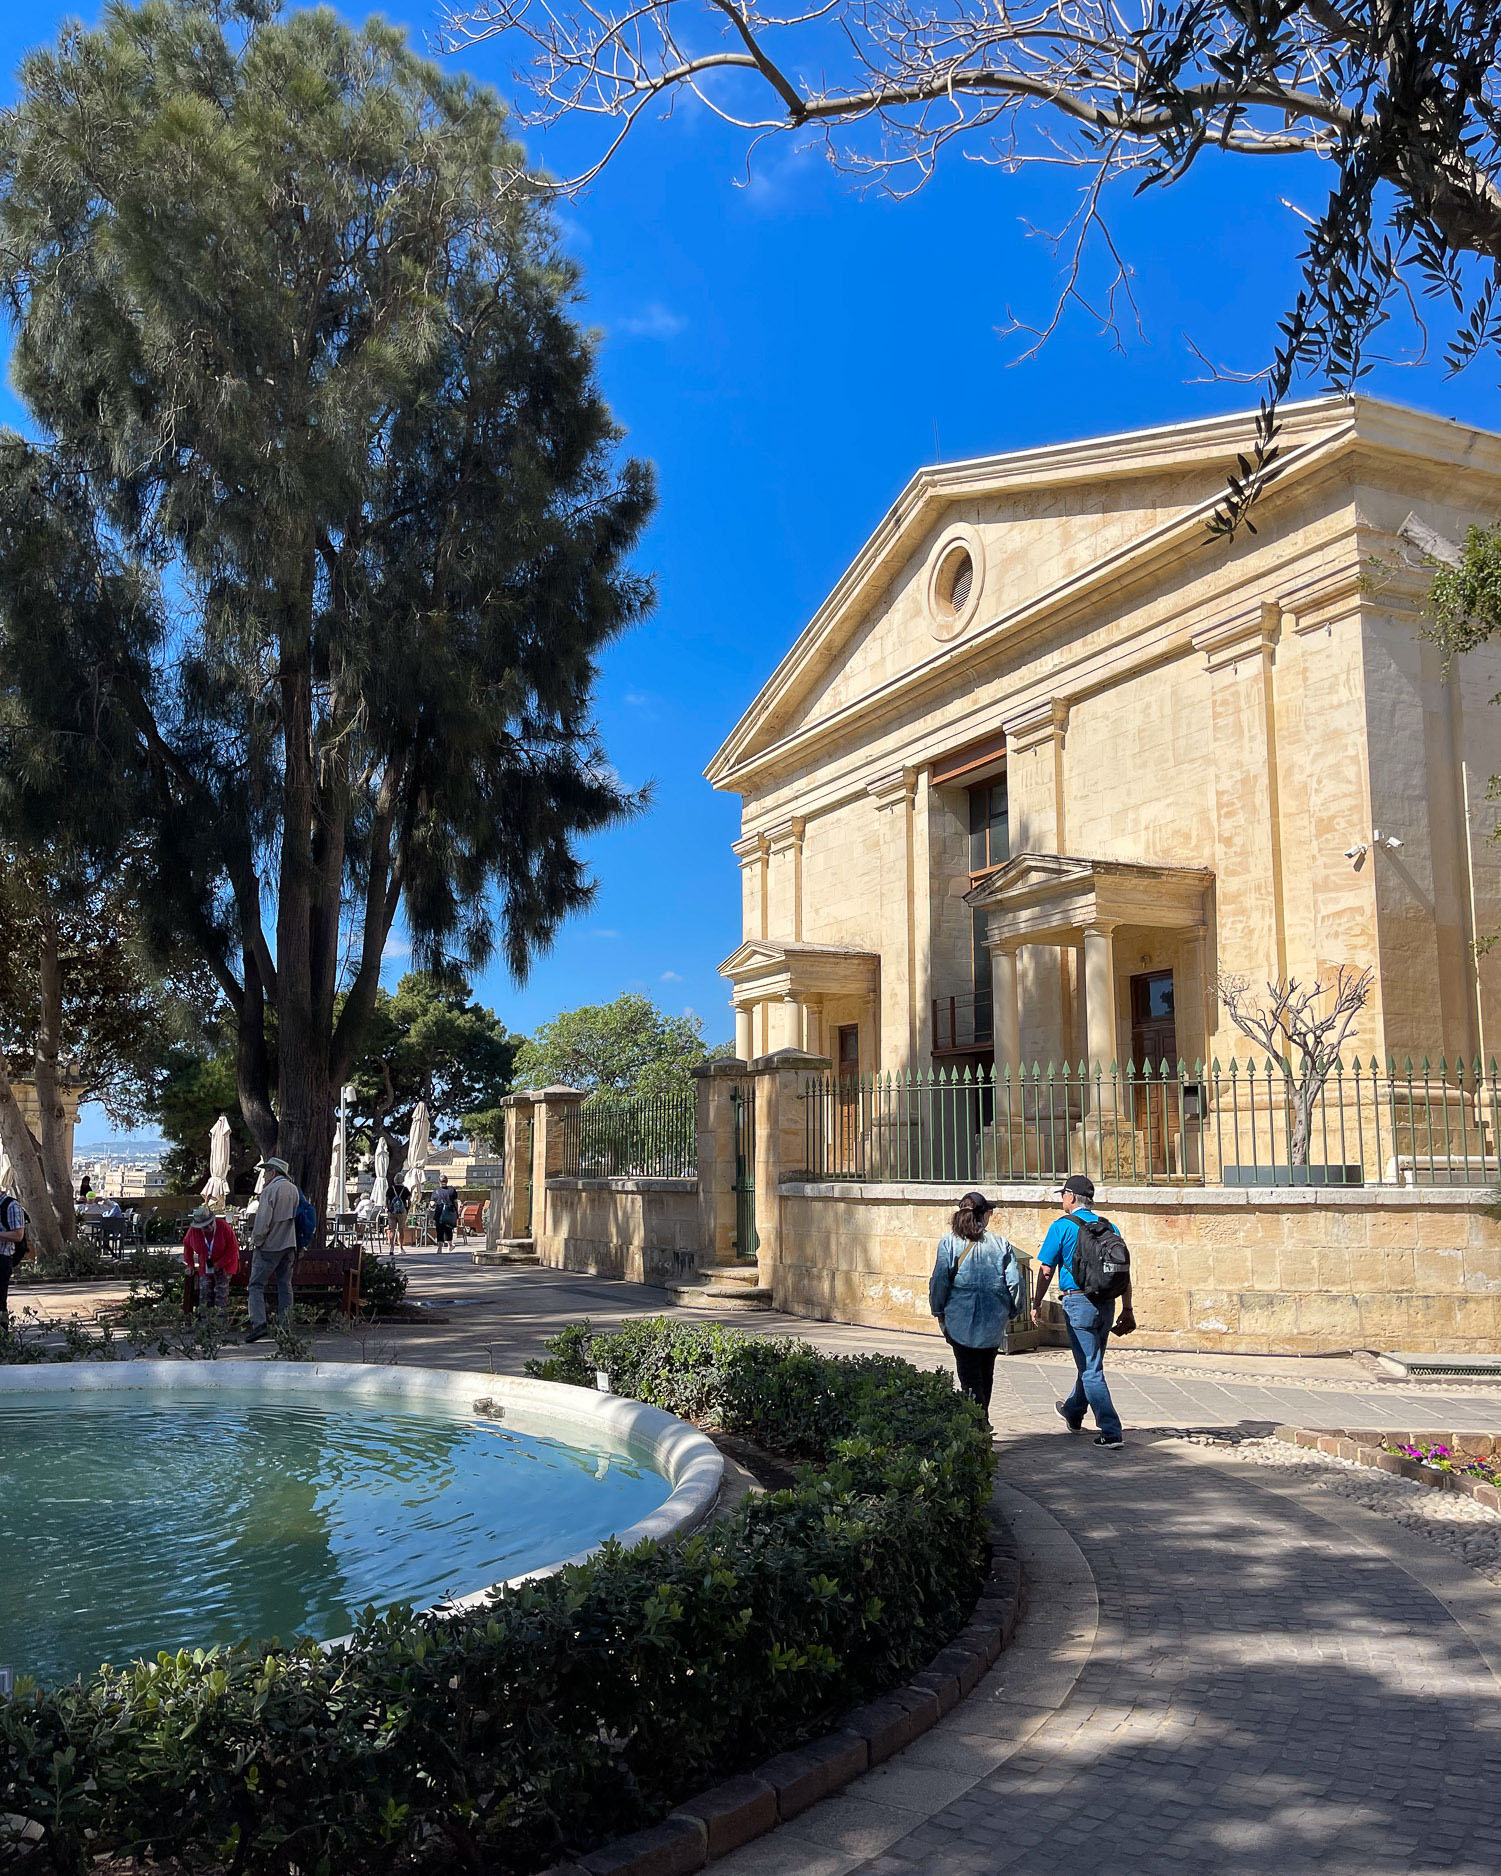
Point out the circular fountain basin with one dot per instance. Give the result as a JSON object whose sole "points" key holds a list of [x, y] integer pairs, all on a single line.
{"points": [[159, 1505]]}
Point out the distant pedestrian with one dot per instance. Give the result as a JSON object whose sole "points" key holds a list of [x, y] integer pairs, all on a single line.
{"points": [[397, 1207], [12, 1244], [211, 1252], [974, 1291], [85, 1189], [1088, 1320], [273, 1246], [445, 1213]]}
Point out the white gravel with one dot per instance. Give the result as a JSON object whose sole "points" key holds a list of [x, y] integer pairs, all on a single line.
{"points": [[1456, 1523]]}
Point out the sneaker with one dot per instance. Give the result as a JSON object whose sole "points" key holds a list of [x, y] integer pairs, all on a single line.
{"points": [[1074, 1426], [1111, 1440], [256, 1334]]}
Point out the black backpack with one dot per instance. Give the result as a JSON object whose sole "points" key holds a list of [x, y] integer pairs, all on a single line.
{"points": [[1102, 1264]]}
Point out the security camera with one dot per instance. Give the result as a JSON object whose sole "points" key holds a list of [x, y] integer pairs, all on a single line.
{"points": [[1392, 842], [1354, 853]]}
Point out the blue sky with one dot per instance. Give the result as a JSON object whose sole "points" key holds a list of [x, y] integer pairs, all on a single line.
{"points": [[787, 352]]}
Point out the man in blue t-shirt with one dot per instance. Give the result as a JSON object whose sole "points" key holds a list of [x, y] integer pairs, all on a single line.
{"points": [[1087, 1323]]}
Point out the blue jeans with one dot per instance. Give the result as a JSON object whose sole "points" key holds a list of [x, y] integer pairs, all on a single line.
{"points": [[1088, 1331], [271, 1267]]}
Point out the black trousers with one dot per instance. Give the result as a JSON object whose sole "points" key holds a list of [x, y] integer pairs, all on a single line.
{"points": [[976, 1368], [7, 1264]]}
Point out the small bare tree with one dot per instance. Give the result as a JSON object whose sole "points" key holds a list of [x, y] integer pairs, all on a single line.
{"points": [[1294, 1031]]}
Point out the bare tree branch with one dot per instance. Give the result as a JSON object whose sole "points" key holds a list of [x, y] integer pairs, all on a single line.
{"points": [[1303, 1038], [1398, 101]]}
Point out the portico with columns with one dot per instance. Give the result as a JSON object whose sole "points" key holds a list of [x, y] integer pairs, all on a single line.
{"points": [[1106, 912], [799, 996]]}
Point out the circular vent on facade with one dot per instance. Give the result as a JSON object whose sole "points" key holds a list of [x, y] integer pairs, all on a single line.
{"points": [[962, 579], [956, 572], [956, 579]]}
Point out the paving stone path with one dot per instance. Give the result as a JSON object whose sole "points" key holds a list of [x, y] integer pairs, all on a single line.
{"points": [[1223, 1669]]}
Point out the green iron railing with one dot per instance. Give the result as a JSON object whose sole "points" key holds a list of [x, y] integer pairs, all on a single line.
{"points": [[647, 1136], [1246, 1124]]}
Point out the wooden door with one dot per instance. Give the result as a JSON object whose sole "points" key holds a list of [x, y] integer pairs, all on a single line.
{"points": [[1154, 1040], [847, 1096]]}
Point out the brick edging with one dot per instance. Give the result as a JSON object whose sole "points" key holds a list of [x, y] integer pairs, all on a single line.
{"points": [[1359, 1447], [735, 1812]]}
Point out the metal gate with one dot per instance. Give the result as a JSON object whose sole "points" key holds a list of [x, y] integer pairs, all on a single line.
{"points": [[743, 1101], [522, 1226]]}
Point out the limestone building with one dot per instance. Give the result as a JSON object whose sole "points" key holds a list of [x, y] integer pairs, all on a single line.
{"points": [[1051, 756]]}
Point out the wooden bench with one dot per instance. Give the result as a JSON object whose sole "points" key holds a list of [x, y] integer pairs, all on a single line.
{"points": [[334, 1272]]}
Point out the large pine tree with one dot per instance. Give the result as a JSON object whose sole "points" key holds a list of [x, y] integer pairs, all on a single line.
{"points": [[303, 585]]}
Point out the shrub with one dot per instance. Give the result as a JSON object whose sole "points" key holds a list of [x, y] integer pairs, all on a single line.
{"points": [[571, 1708], [383, 1283]]}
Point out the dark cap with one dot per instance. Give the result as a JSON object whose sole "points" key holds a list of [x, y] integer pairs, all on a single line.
{"points": [[1080, 1187], [977, 1202]]}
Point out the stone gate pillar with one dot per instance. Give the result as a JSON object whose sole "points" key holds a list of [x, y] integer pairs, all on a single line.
{"points": [[549, 1109], [781, 1144], [714, 1135]]}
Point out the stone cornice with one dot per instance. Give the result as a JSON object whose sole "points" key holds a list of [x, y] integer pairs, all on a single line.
{"points": [[749, 848], [894, 789], [1045, 722], [1159, 549], [1313, 432], [1249, 633], [784, 834]]}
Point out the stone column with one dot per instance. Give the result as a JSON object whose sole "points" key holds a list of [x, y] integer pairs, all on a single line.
{"points": [[714, 1130], [781, 1146], [1005, 1018], [549, 1107], [786, 1024], [813, 1008], [745, 1041], [1099, 1004]]}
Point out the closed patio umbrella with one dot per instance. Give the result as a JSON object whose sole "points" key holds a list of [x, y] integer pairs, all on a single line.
{"points": [[336, 1174], [382, 1169], [418, 1143], [217, 1186]]}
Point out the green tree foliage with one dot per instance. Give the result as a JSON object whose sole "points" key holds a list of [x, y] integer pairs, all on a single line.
{"points": [[427, 1041], [195, 1088], [1466, 599], [625, 1047], [431, 1042], [83, 1012], [304, 585]]}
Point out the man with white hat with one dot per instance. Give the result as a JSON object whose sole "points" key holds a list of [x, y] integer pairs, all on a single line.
{"points": [[273, 1245]]}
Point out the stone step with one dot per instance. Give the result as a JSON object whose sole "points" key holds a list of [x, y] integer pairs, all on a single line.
{"points": [[722, 1288], [507, 1251]]}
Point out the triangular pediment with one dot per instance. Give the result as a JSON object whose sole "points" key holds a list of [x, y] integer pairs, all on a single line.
{"points": [[1054, 532], [1041, 898]]}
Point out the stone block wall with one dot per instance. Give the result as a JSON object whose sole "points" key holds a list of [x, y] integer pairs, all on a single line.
{"points": [[1415, 1269], [642, 1230]]}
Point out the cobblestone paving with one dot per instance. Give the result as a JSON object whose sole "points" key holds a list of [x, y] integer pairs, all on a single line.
{"points": [[1263, 1695]]}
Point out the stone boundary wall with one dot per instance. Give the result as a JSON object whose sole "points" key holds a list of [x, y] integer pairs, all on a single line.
{"points": [[642, 1230], [1301, 1272]]}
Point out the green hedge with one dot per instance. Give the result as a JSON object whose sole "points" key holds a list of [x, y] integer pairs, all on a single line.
{"points": [[571, 1709]]}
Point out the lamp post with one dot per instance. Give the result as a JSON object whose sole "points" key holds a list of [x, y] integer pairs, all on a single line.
{"points": [[346, 1095]]}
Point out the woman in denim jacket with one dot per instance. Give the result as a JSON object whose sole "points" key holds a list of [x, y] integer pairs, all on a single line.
{"points": [[975, 1290]]}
